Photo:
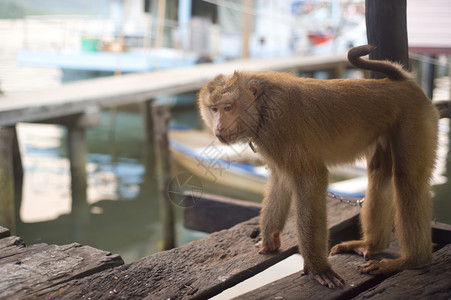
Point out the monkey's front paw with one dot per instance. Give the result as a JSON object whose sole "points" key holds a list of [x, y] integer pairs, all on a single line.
{"points": [[358, 247], [269, 245], [329, 279]]}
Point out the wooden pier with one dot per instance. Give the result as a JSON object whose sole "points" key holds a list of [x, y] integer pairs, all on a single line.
{"points": [[207, 267]]}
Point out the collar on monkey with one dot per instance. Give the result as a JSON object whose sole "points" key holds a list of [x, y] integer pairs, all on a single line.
{"points": [[251, 145]]}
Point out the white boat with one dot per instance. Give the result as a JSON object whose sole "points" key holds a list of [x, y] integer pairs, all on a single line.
{"points": [[237, 166]]}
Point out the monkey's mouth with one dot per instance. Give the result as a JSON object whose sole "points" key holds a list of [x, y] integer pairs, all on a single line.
{"points": [[222, 139], [231, 137]]}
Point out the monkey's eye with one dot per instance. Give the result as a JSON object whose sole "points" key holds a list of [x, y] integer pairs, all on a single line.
{"points": [[228, 107], [214, 108]]}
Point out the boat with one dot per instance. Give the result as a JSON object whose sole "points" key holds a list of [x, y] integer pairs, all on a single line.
{"points": [[237, 166]]}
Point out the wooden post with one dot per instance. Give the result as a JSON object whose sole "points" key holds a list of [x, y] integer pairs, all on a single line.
{"points": [[161, 116], [7, 212], [18, 174], [427, 76], [246, 28], [146, 113], [77, 154], [386, 28]]}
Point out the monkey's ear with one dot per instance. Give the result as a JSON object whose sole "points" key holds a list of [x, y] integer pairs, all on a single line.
{"points": [[255, 87]]}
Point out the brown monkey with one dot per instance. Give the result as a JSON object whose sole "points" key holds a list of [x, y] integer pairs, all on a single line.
{"points": [[302, 126]]}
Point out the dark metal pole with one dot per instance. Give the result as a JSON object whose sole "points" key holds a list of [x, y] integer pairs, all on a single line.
{"points": [[386, 27]]}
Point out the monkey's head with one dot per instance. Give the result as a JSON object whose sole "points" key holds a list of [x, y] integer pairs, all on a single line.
{"points": [[227, 105]]}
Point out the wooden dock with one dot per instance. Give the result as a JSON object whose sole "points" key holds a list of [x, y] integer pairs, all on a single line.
{"points": [[205, 268]]}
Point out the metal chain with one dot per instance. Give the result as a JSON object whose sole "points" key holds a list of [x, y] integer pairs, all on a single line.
{"points": [[357, 202]]}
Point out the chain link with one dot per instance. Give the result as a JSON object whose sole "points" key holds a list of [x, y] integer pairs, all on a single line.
{"points": [[351, 202]]}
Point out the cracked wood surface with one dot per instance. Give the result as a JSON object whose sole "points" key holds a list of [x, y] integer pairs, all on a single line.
{"points": [[27, 270]]}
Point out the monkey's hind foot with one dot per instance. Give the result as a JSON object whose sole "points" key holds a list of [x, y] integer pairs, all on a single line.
{"points": [[269, 245], [359, 247], [385, 266]]}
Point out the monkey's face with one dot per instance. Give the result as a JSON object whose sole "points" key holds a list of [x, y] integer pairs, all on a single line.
{"points": [[224, 118], [226, 108]]}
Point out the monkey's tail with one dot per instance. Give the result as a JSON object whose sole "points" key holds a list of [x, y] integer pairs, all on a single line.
{"points": [[392, 70]]}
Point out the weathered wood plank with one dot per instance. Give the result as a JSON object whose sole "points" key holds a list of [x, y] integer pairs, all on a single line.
{"points": [[199, 269], [299, 287], [74, 98], [441, 233], [431, 282], [26, 270], [4, 232]]}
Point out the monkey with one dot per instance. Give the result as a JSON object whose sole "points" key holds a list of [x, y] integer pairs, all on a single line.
{"points": [[302, 126]]}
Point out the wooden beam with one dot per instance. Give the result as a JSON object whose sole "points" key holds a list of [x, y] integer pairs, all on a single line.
{"points": [[147, 121], [7, 211], [214, 213], [18, 173], [77, 154], [161, 115]]}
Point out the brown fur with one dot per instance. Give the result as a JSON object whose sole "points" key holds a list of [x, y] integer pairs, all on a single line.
{"points": [[302, 126]]}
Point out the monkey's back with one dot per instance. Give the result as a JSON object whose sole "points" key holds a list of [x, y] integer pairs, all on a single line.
{"points": [[355, 112]]}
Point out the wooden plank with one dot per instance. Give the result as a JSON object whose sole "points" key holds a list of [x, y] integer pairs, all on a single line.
{"points": [[299, 287], [441, 233], [74, 98], [4, 232], [213, 213], [431, 282], [197, 270], [25, 271]]}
